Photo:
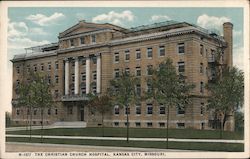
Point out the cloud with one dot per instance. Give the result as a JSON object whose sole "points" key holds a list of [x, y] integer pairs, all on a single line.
{"points": [[37, 31], [114, 17], [212, 22], [238, 57], [159, 17], [44, 20], [237, 33], [17, 29], [80, 16], [17, 45]]}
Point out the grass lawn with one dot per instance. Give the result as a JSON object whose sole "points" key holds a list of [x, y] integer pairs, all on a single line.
{"points": [[136, 132], [142, 144]]}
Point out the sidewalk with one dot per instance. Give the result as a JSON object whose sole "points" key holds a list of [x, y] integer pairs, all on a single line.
{"points": [[132, 139]]}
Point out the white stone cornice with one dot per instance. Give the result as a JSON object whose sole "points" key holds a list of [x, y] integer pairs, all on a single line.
{"points": [[85, 34]]}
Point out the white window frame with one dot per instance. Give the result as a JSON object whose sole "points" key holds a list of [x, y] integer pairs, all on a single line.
{"points": [[161, 47], [127, 53], [178, 48], [116, 54], [148, 50], [138, 51]]}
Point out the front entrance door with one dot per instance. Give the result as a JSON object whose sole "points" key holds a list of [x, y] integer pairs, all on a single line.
{"points": [[81, 113]]}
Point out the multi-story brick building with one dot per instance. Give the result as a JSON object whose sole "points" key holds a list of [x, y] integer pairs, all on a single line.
{"points": [[88, 55]]}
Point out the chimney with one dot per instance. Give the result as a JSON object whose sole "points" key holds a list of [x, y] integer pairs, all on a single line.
{"points": [[228, 36]]}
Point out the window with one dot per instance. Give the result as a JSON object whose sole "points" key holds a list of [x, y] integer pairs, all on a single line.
{"points": [[83, 76], [149, 87], [56, 93], [93, 38], [94, 88], [83, 61], [94, 75], [35, 112], [126, 123], [201, 68], [73, 77], [35, 68], [49, 66], [28, 68], [70, 110], [116, 57], [56, 111], [161, 124], [202, 108], [149, 109], [28, 112], [150, 70], [94, 59], [116, 123], [82, 40], [181, 48], [56, 79], [181, 67], [138, 71], [180, 109], [127, 110], [181, 125], [116, 110], [49, 111], [72, 42], [162, 109], [201, 49], [127, 55], [138, 89], [42, 67], [149, 53], [138, 109], [49, 79], [116, 73], [18, 69], [17, 83], [17, 112], [149, 124], [83, 89], [72, 90], [56, 65], [138, 54], [161, 51], [137, 124], [201, 87], [73, 64]]}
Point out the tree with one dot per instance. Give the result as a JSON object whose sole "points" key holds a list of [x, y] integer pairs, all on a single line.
{"points": [[35, 93], [168, 88], [101, 104], [122, 93], [25, 94], [42, 96], [7, 119], [226, 94], [239, 121]]}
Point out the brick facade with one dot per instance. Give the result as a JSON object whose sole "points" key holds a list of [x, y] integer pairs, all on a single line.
{"points": [[120, 49]]}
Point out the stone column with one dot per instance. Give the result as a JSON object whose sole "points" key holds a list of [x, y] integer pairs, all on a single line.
{"points": [[87, 75], [98, 74], [66, 74], [76, 75]]}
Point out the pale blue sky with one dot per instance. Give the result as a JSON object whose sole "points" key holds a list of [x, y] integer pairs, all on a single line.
{"points": [[31, 26]]}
